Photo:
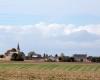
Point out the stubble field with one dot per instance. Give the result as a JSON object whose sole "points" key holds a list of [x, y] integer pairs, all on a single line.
{"points": [[49, 71]]}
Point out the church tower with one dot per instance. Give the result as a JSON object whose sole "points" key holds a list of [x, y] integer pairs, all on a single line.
{"points": [[18, 48]]}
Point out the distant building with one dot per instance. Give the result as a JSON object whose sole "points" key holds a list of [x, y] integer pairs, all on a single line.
{"points": [[51, 59], [11, 52], [80, 57]]}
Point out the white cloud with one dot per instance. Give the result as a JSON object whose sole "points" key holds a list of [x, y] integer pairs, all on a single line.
{"points": [[49, 30], [45, 36], [46, 29]]}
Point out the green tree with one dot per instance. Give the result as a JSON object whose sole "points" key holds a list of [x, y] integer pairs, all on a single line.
{"points": [[30, 54], [61, 58], [17, 57], [14, 56], [56, 55]]}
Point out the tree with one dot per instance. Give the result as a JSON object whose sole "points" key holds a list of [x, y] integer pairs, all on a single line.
{"points": [[14, 56], [62, 55], [56, 55], [72, 59], [46, 55], [2, 56], [17, 57], [30, 54], [95, 59], [61, 58], [22, 54]]}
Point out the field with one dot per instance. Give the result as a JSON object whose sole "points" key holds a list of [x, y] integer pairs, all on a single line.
{"points": [[49, 71]]}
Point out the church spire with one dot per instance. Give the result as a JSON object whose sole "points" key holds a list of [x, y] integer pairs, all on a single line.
{"points": [[18, 47]]}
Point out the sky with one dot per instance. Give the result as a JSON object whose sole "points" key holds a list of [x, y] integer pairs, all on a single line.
{"points": [[51, 26]]}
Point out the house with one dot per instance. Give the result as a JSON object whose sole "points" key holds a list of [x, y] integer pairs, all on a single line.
{"points": [[80, 57], [52, 59]]}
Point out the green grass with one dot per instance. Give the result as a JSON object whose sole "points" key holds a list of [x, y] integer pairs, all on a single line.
{"points": [[52, 66]]}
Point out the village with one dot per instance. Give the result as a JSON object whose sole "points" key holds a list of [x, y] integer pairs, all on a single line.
{"points": [[15, 54]]}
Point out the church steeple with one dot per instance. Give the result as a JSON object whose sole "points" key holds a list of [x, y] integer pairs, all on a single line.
{"points": [[18, 48]]}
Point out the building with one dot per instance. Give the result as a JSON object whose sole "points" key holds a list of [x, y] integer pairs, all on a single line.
{"points": [[80, 57], [51, 59], [10, 53]]}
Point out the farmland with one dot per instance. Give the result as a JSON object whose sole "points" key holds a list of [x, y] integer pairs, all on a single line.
{"points": [[49, 71]]}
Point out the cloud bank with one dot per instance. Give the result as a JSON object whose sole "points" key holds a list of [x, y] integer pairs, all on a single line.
{"points": [[52, 38]]}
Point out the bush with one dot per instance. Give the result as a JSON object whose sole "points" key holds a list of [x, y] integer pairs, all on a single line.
{"points": [[17, 57], [66, 59], [14, 57], [2, 56], [95, 59]]}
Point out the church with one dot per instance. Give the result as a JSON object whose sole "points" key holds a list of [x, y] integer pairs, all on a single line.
{"points": [[14, 54]]}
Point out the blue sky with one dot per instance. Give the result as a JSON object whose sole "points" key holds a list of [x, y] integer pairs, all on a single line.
{"points": [[51, 25], [63, 11], [12, 19]]}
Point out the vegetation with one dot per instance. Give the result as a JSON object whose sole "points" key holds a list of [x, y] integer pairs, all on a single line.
{"points": [[95, 59], [17, 57], [2, 56], [49, 71]]}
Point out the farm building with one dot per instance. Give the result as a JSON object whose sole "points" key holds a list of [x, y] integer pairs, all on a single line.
{"points": [[51, 59], [80, 57]]}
